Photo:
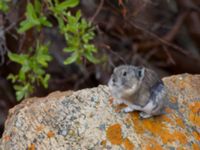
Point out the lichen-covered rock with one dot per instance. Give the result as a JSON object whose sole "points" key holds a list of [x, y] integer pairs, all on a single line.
{"points": [[86, 119]]}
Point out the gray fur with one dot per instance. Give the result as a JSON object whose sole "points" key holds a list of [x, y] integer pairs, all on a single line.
{"points": [[139, 88]]}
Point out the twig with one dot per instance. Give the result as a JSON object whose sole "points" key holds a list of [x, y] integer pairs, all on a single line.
{"points": [[97, 11]]}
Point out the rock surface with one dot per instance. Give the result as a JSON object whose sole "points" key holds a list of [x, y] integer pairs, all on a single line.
{"points": [[86, 119]]}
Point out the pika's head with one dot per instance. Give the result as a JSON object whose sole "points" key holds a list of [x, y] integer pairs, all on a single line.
{"points": [[126, 79]]}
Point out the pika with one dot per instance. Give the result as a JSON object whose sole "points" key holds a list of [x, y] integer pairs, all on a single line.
{"points": [[139, 88]]}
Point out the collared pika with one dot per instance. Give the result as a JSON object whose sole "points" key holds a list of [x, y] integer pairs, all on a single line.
{"points": [[139, 88]]}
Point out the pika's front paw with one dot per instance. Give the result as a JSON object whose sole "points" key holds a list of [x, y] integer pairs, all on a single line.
{"points": [[144, 115], [128, 109]]}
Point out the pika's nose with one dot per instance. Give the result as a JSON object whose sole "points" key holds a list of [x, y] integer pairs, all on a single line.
{"points": [[113, 80]]}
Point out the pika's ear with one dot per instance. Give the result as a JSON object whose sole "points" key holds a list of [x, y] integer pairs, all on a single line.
{"points": [[140, 73]]}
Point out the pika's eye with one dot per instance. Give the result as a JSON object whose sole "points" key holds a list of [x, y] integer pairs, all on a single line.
{"points": [[124, 73]]}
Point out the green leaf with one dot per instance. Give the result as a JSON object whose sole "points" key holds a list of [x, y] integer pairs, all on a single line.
{"points": [[30, 13], [69, 49], [71, 59], [21, 59], [45, 80], [91, 58], [26, 25], [37, 6], [66, 4], [12, 77]]}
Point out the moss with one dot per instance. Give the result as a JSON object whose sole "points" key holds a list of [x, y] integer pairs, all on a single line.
{"points": [[128, 144], [114, 134]]}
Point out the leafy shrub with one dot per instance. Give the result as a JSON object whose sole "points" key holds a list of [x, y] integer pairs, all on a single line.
{"points": [[77, 32]]}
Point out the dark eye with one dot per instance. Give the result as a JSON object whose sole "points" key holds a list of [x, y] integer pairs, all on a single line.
{"points": [[124, 73]]}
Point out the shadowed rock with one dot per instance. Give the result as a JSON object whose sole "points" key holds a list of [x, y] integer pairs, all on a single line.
{"points": [[86, 119]]}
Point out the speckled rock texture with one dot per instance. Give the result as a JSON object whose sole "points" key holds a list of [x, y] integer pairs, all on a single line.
{"points": [[87, 120]]}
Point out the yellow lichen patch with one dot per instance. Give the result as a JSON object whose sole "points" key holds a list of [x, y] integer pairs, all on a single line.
{"points": [[31, 147], [196, 135], [114, 134], [128, 144], [195, 146], [50, 134], [194, 116]]}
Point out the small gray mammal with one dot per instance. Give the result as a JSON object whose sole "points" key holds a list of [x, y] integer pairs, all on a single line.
{"points": [[139, 88]]}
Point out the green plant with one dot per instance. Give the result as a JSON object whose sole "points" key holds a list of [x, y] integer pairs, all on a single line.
{"points": [[4, 5], [34, 17], [31, 70], [77, 32]]}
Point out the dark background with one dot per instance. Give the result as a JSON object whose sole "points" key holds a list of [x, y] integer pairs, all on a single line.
{"points": [[160, 34]]}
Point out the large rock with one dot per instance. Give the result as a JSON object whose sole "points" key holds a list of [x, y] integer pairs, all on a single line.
{"points": [[86, 119]]}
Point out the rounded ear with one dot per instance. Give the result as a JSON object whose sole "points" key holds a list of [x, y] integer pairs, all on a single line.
{"points": [[140, 73]]}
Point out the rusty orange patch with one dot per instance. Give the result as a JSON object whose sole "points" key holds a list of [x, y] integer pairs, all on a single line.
{"points": [[128, 144], [50, 134], [114, 134], [31, 147], [195, 107], [6, 138]]}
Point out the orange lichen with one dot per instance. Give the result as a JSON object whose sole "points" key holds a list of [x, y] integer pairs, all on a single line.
{"points": [[50, 134], [195, 146], [196, 135], [114, 134], [39, 128], [194, 116], [180, 136], [31, 147], [157, 126], [195, 107], [180, 122], [168, 110], [128, 144], [6, 138]]}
